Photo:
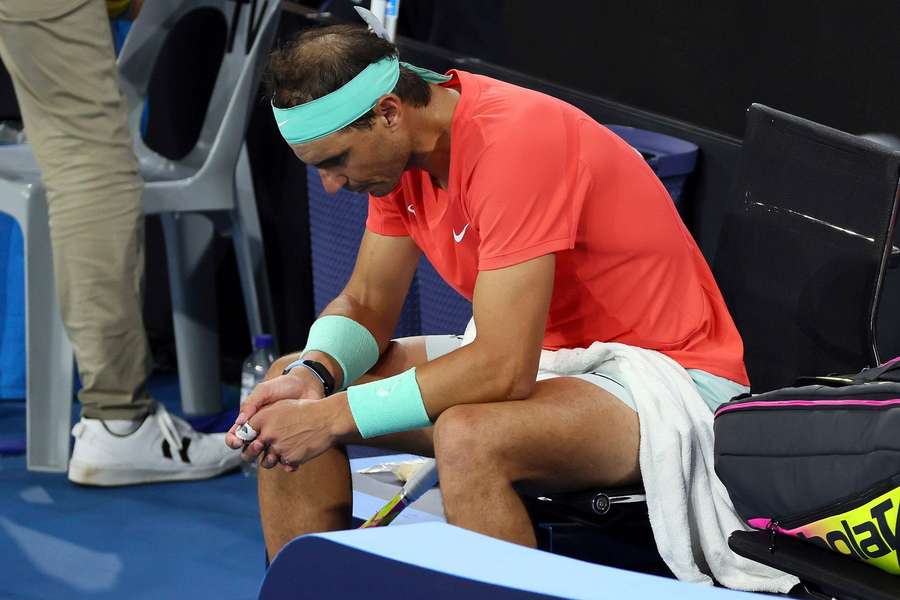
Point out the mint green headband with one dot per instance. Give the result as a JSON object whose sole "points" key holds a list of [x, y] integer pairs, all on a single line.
{"points": [[332, 112]]}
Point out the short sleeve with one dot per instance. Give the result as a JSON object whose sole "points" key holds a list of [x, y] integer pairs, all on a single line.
{"points": [[384, 217], [521, 196]]}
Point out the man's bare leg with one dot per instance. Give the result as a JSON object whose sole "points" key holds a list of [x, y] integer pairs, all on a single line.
{"points": [[317, 497], [569, 435]]}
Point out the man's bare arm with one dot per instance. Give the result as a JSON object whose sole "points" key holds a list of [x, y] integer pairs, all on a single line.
{"points": [[373, 297], [385, 266], [510, 307]]}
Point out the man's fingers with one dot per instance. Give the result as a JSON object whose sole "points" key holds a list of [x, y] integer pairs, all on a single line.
{"points": [[270, 460], [270, 391], [249, 434], [240, 435], [259, 397], [246, 433], [252, 451]]}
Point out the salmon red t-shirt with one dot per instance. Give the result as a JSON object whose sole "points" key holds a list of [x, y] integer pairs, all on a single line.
{"points": [[532, 175]]}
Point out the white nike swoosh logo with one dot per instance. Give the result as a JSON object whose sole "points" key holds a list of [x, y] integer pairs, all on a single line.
{"points": [[411, 208], [281, 123], [459, 236]]}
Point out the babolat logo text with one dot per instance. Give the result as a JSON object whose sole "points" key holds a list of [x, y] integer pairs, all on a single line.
{"points": [[868, 532]]}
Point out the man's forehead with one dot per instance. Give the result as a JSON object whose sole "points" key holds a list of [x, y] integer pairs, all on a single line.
{"points": [[314, 152]]}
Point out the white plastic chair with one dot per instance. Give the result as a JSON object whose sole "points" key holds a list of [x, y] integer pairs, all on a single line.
{"points": [[49, 362], [209, 191]]}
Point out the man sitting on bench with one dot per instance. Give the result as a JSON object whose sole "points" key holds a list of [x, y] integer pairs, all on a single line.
{"points": [[554, 227]]}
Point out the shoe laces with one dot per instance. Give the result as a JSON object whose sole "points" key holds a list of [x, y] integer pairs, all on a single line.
{"points": [[167, 425]]}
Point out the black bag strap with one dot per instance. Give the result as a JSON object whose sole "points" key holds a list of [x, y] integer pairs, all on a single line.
{"points": [[889, 371]]}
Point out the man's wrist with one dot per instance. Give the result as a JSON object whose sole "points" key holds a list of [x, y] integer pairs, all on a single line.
{"points": [[330, 364], [319, 372], [343, 426], [313, 383]]}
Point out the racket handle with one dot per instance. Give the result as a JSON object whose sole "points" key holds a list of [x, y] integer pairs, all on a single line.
{"points": [[387, 513], [421, 481]]}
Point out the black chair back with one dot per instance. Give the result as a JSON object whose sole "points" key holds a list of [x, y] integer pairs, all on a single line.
{"points": [[804, 247]]}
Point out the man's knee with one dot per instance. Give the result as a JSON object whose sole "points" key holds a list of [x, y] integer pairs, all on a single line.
{"points": [[464, 440]]}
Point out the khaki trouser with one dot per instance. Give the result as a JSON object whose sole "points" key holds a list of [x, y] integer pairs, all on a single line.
{"points": [[63, 69]]}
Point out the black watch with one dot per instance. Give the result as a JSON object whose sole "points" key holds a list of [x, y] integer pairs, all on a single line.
{"points": [[320, 371]]}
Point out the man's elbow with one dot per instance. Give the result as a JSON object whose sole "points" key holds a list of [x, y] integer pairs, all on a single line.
{"points": [[511, 377], [519, 379], [521, 388]]}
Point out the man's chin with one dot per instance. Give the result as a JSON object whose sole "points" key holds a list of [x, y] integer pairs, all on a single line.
{"points": [[383, 189]]}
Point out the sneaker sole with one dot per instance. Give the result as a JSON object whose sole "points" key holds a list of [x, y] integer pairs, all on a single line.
{"points": [[84, 474]]}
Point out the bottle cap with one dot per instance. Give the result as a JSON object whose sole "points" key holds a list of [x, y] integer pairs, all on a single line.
{"points": [[262, 341]]}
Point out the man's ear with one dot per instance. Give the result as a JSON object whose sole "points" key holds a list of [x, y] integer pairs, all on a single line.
{"points": [[389, 108]]}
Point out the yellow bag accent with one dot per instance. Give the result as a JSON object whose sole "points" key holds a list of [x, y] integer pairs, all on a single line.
{"points": [[868, 533]]}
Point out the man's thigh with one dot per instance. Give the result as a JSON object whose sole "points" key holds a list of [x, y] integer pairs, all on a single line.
{"points": [[568, 435]]}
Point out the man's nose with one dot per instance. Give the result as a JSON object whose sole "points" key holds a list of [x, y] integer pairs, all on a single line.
{"points": [[331, 182]]}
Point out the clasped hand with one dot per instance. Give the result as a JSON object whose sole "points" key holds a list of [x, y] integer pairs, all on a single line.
{"points": [[294, 423]]}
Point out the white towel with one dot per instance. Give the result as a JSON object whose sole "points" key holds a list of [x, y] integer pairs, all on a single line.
{"points": [[690, 512]]}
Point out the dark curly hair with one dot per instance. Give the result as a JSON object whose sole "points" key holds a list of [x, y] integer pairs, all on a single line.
{"points": [[318, 61]]}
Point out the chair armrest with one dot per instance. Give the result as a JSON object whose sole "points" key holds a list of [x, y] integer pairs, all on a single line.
{"points": [[594, 503]]}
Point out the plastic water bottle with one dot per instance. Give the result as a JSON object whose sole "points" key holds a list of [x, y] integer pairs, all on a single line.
{"points": [[253, 372], [391, 13]]}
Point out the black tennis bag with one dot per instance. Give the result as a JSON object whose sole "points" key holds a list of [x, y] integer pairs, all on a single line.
{"points": [[820, 462]]}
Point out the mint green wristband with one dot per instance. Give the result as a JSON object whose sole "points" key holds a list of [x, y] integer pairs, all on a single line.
{"points": [[350, 344], [388, 405]]}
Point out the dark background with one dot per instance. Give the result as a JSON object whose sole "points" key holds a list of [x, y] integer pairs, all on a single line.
{"points": [[833, 62], [693, 67], [830, 61]]}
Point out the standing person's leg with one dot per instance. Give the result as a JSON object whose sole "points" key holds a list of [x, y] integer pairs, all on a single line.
{"points": [[64, 73]]}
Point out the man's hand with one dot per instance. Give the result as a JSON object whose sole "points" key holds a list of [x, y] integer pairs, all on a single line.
{"points": [[295, 431], [298, 384]]}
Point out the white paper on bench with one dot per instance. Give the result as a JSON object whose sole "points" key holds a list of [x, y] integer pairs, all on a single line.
{"points": [[370, 494]]}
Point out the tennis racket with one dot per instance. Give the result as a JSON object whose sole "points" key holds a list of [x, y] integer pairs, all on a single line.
{"points": [[415, 487]]}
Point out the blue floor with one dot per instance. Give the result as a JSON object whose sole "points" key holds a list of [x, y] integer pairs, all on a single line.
{"points": [[173, 540], [192, 540]]}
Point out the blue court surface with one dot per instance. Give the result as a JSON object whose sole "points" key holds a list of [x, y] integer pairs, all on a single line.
{"points": [[203, 540], [174, 540]]}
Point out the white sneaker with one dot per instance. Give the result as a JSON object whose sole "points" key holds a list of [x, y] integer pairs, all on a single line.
{"points": [[162, 448]]}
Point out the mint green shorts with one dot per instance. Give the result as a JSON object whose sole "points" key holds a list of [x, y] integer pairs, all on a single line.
{"points": [[713, 389]]}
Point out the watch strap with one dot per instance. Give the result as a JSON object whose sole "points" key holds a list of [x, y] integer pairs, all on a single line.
{"points": [[318, 369]]}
